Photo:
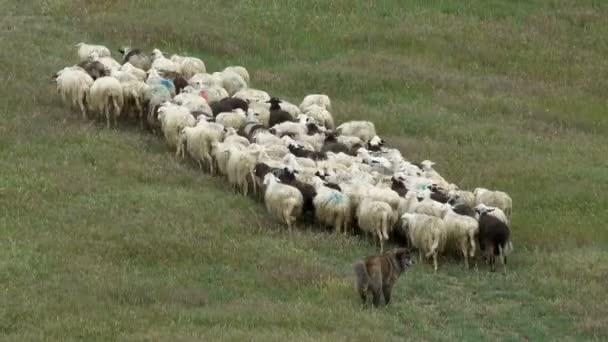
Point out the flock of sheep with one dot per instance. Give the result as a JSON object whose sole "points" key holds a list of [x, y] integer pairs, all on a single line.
{"points": [[293, 158]]}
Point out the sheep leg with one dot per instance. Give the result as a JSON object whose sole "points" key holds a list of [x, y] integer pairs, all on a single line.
{"points": [[463, 248], [83, 108], [386, 290], [435, 262], [338, 224], [380, 238]]}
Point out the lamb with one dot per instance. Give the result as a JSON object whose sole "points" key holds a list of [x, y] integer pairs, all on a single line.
{"points": [[319, 100], [235, 119], [135, 57], [85, 50], [134, 97], [282, 201], [497, 199], [364, 130], [189, 66], [74, 84], [241, 71], [426, 233], [252, 95], [106, 98], [461, 232], [173, 118], [332, 207], [376, 217], [494, 240]]}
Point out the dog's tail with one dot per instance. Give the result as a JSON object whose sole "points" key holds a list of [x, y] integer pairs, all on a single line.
{"points": [[362, 281]]}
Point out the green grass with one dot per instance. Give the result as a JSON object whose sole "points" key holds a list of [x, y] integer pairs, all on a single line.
{"points": [[105, 236]]}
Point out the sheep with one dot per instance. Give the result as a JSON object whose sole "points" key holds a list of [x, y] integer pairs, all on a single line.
{"points": [[140, 74], [481, 209], [198, 142], [109, 63], [290, 108], [189, 66], [106, 98], [288, 128], [282, 201], [430, 207], [235, 119], [173, 118], [461, 232], [134, 97], [320, 100], [241, 165], [232, 82], [364, 130], [214, 93], [135, 57], [85, 50], [195, 103], [426, 233], [430, 173], [155, 96], [252, 95], [494, 240], [162, 64], [277, 115], [463, 209], [74, 84], [321, 116], [456, 197], [123, 76], [308, 191], [95, 69], [200, 80], [179, 82], [241, 71], [299, 151], [497, 199], [154, 78], [376, 217], [232, 137], [332, 207], [228, 104]]}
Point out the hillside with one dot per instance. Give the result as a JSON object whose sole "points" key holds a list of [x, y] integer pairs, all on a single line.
{"points": [[106, 236]]}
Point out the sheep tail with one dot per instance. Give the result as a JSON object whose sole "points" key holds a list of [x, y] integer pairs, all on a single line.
{"points": [[116, 106], [472, 243], [385, 226]]}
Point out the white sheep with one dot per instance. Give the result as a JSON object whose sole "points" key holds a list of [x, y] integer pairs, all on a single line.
{"points": [[239, 70], [426, 233], [73, 85], [85, 50], [284, 202], [214, 93], [195, 103], [332, 207], [232, 137], [156, 95], [162, 64], [376, 218], [496, 199], [235, 119], [241, 165], [189, 66], [140, 74], [232, 82], [320, 100], [461, 234], [430, 173], [173, 118], [364, 130], [456, 197], [134, 97], [106, 98], [252, 95], [198, 141], [320, 115], [109, 63]]}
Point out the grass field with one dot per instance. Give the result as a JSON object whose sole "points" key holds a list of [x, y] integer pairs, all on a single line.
{"points": [[105, 236]]}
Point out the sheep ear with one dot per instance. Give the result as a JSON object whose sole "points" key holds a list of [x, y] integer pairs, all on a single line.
{"points": [[490, 210]]}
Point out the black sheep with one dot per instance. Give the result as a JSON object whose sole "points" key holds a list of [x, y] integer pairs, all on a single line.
{"points": [[95, 69], [398, 187], [493, 239], [331, 144], [301, 152], [438, 194], [308, 191], [277, 115], [228, 104], [463, 209], [180, 83]]}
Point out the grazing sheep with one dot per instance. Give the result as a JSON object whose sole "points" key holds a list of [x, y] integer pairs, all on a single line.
{"points": [[284, 202], [189, 66], [135, 57], [85, 50], [376, 217], [241, 71], [332, 207], [494, 240], [315, 100], [173, 118], [134, 97], [106, 99], [497, 199], [74, 84], [426, 233]]}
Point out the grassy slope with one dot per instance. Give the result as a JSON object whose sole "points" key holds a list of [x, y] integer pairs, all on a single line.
{"points": [[105, 236]]}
